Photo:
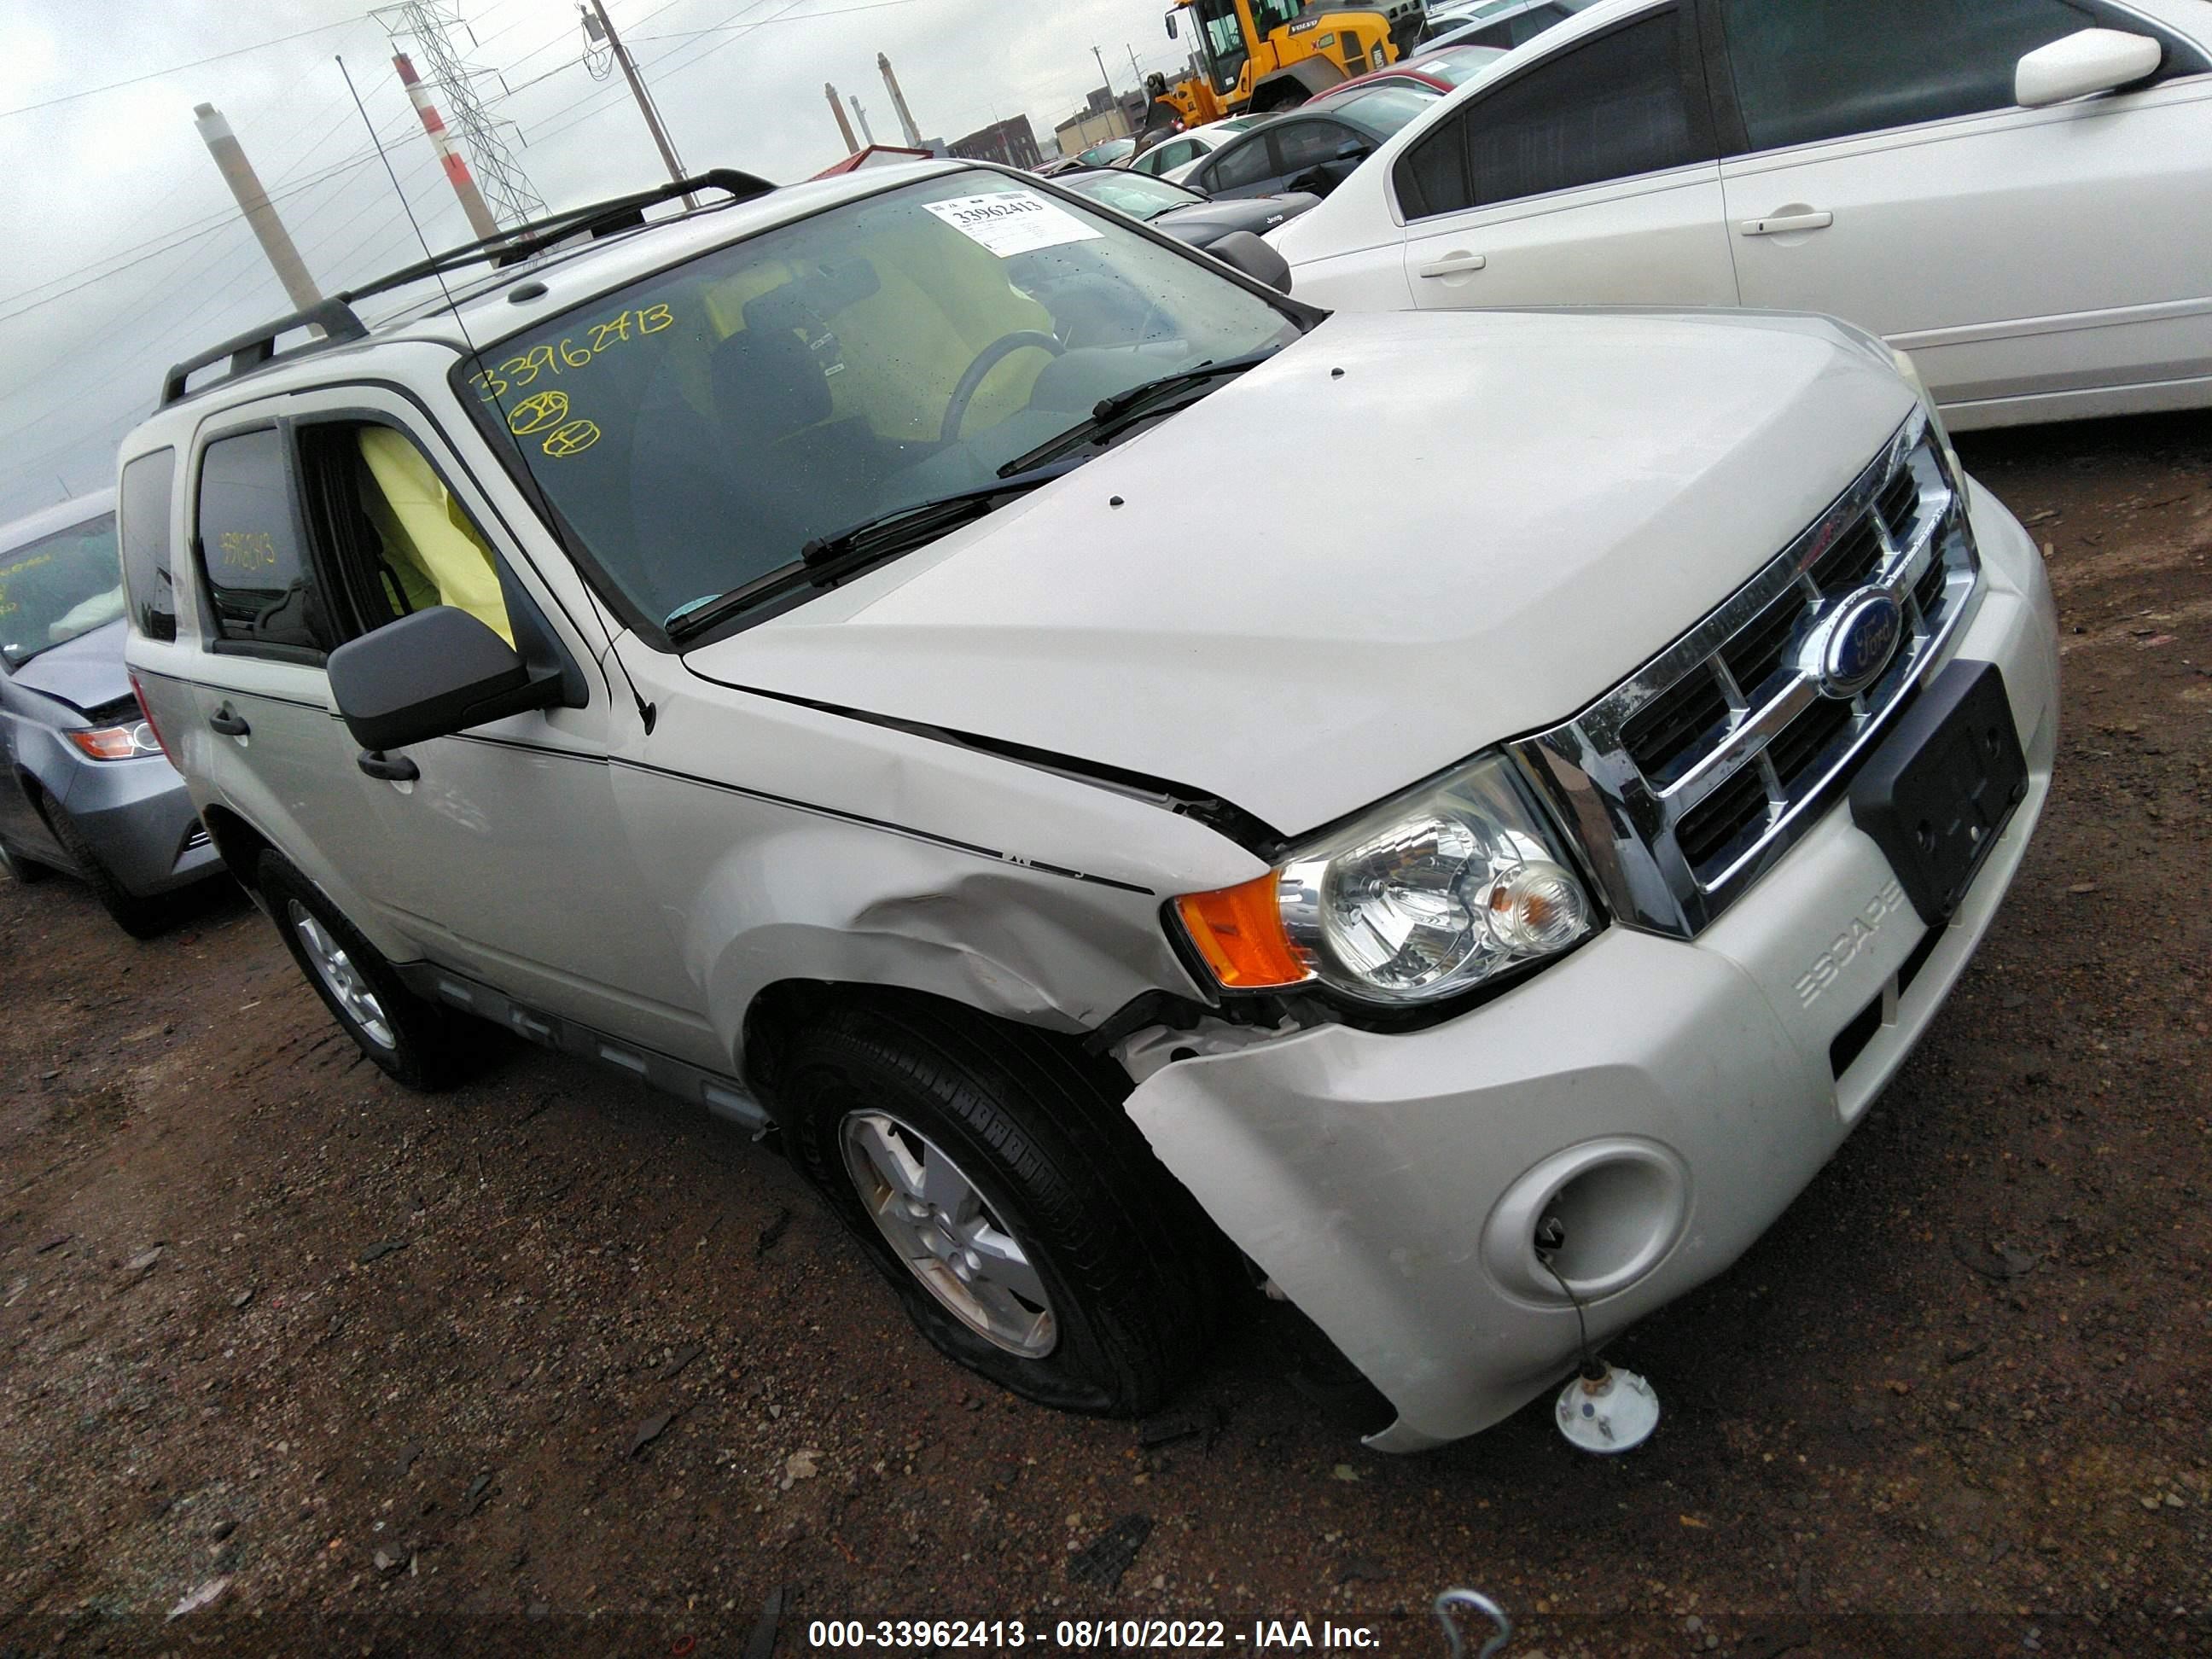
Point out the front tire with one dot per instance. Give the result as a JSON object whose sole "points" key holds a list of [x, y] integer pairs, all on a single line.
{"points": [[991, 1175], [413, 1041]]}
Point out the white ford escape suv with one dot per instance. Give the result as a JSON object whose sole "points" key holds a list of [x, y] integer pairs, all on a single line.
{"points": [[840, 653]]}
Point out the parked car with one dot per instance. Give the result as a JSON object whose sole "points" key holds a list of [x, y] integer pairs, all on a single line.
{"points": [[1445, 70], [1107, 153], [1174, 156], [1500, 24], [1314, 147], [1185, 214], [1872, 159], [87, 791], [793, 652]]}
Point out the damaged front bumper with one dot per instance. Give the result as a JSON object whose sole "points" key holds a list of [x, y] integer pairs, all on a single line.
{"points": [[1667, 1099]]}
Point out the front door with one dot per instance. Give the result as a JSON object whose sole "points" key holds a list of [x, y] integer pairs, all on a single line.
{"points": [[2016, 252], [499, 848], [1588, 179]]}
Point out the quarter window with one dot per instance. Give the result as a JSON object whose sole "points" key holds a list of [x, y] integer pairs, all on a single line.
{"points": [[265, 591], [1823, 68], [1614, 108], [142, 507]]}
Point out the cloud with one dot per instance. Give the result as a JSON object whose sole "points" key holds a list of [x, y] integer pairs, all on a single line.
{"points": [[93, 179]]}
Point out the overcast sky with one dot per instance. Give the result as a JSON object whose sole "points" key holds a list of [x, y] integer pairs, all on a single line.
{"points": [[123, 250]]}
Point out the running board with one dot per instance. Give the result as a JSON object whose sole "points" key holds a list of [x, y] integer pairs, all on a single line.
{"points": [[723, 1097]]}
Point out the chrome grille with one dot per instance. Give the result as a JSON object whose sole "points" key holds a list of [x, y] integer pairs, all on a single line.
{"points": [[1690, 777]]}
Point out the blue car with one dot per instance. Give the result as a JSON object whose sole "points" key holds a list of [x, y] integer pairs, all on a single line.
{"points": [[88, 791]]}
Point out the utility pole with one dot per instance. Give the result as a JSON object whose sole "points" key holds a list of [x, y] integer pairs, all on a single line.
{"points": [[599, 26], [1104, 79], [1135, 70], [253, 202], [844, 126]]}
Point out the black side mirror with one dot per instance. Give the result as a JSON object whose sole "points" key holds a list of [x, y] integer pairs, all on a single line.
{"points": [[1241, 251], [429, 675]]}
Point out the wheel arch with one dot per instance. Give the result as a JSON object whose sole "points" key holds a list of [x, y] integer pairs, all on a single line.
{"points": [[1286, 88]]}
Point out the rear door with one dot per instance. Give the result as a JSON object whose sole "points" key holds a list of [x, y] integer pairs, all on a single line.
{"points": [[262, 735], [1245, 167], [1315, 154], [2017, 253], [1588, 177]]}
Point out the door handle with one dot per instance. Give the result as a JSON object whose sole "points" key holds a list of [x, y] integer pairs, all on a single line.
{"points": [[1453, 264], [1786, 223], [392, 769], [228, 722]]}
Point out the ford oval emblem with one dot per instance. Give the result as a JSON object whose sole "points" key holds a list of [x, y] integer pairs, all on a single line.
{"points": [[1861, 639]]}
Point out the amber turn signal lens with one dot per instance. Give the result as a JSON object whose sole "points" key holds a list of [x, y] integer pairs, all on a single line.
{"points": [[1239, 932]]}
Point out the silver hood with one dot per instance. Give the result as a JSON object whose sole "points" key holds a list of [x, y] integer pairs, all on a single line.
{"points": [[1404, 537]]}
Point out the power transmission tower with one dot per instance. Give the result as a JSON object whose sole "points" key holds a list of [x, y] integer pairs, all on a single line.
{"points": [[431, 25]]}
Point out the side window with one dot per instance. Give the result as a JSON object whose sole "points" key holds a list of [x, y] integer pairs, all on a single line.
{"points": [[1823, 69], [142, 509], [1177, 154], [395, 537], [1533, 22], [265, 591], [1240, 164], [1300, 145], [1610, 109]]}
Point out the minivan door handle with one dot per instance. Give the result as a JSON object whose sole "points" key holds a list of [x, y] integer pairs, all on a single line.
{"points": [[1786, 223], [1453, 265], [228, 722], [392, 769]]}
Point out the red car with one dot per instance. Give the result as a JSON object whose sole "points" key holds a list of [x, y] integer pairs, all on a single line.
{"points": [[1439, 72]]}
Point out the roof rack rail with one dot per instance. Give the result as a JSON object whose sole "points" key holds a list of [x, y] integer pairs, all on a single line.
{"points": [[597, 218], [340, 323], [257, 346]]}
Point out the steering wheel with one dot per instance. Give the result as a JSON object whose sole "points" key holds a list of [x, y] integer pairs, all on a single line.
{"points": [[955, 412]]}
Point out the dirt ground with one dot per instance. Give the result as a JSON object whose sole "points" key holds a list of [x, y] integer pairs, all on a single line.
{"points": [[546, 1365]]}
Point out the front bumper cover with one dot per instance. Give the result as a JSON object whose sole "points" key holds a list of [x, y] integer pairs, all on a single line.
{"points": [[1386, 1183]]}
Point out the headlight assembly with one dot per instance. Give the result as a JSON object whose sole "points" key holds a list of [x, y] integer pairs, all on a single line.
{"points": [[1427, 897]]}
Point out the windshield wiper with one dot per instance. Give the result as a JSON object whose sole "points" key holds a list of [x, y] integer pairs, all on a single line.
{"points": [[825, 560], [1110, 415]]}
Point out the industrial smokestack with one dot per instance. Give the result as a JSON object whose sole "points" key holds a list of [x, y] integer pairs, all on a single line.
{"points": [[898, 102], [456, 164], [844, 126], [863, 116], [253, 202]]}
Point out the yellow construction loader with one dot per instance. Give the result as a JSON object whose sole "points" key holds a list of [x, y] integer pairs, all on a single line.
{"points": [[1263, 55]]}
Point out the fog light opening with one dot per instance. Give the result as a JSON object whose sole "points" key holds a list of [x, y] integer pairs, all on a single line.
{"points": [[1612, 1219]]}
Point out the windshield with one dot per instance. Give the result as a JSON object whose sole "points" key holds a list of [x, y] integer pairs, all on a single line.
{"points": [[1457, 65], [61, 586], [1221, 39], [697, 429], [1136, 194]]}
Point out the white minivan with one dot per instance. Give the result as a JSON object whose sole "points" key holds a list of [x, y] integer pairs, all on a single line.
{"points": [[823, 652], [2016, 192]]}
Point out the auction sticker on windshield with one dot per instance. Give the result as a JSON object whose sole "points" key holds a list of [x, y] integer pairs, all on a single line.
{"points": [[1012, 222]]}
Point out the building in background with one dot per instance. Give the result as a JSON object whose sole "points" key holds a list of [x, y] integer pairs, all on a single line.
{"points": [[1102, 116], [1012, 142]]}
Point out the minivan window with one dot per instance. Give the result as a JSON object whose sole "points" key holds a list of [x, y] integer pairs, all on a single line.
{"points": [[142, 506], [56, 587], [698, 429], [1823, 68], [258, 574], [1610, 108]]}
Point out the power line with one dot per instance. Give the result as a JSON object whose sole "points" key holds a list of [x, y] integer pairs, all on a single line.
{"points": [[176, 68], [803, 17]]}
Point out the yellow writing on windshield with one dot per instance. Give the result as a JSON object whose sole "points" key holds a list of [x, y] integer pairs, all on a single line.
{"points": [[569, 353]]}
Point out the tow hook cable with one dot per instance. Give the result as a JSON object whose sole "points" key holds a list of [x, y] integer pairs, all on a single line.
{"points": [[1603, 1409]]}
